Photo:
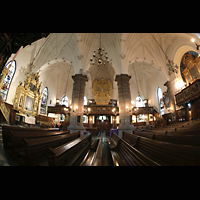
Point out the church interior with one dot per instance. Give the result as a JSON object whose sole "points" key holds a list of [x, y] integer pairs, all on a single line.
{"points": [[100, 99]]}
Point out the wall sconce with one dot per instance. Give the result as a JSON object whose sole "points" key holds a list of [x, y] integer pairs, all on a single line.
{"points": [[198, 46], [127, 110], [57, 101], [170, 109], [66, 109], [76, 109], [113, 110]]}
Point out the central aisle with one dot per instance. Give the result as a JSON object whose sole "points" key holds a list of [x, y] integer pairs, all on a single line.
{"points": [[99, 152]]}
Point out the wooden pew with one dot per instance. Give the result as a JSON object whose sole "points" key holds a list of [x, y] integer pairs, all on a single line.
{"points": [[17, 138], [35, 149], [7, 135], [89, 158], [125, 155], [193, 140], [165, 153], [71, 153]]}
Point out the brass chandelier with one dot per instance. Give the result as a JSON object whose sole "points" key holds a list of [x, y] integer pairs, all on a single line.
{"points": [[100, 56], [172, 67]]}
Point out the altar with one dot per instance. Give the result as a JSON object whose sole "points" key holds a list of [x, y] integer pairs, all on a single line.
{"points": [[27, 97], [24, 118]]}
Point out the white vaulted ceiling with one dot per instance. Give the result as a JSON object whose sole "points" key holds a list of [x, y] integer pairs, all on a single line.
{"points": [[54, 55], [122, 48]]}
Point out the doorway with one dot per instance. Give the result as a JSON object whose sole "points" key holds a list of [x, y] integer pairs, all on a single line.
{"points": [[103, 123]]}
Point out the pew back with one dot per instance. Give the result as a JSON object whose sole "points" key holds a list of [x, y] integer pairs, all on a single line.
{"points": [[128, 155], [165, 153], [8, 130], [193, 140], [35, 149], [71, 153]]}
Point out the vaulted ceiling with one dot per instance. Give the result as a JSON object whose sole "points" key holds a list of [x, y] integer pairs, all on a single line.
{"points": [[11, 42], [138, 54], [122, 48]]}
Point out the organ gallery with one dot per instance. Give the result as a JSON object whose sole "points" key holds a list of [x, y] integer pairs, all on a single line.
{"points": [[103, 95]]}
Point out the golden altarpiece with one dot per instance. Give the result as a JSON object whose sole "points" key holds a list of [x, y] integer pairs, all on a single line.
{"points": [[27, 96], [102, 90]]}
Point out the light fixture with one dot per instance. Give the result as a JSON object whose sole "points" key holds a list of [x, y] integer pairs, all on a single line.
{"points": [[57, 101], [100, 56], [198, 46], [172, 67]]}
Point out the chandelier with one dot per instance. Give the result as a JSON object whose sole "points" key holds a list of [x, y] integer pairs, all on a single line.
{"points": [[100, 56], [172, 68]]}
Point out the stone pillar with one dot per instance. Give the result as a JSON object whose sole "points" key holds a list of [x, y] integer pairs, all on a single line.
{"points": [[169, 86], [125, 105], [77, 103]]}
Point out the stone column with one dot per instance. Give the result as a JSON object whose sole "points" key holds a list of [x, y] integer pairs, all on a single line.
{"points": [[125, 106], [77, 103], [169, 86]]}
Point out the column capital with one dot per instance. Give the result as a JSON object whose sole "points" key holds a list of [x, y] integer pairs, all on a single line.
{"points": [[123, 77], [79, 76]]}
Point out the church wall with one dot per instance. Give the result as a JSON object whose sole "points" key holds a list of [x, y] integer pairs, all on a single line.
{"points": [[63, 47], [22, 60]]}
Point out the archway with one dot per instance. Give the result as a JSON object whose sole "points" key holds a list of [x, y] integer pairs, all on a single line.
{"points": [[58, 77], [178, 57]]}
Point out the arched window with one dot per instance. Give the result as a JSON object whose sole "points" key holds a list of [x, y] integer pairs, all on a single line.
{"points": [[85, 101], [44, 101], [8, 79], [139, 101], [64, 101], [160, 100]]}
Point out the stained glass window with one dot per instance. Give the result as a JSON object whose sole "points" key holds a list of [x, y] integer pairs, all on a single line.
{"points": [[44, 101], [85, 100], [64, 101], [139, 101], [160, 101], [8, 79]]}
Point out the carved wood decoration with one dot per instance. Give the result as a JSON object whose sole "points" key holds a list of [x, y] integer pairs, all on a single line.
{"points": [[192, 70], [27, 96], [102, 90]]}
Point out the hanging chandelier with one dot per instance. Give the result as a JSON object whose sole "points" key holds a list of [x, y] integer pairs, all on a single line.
{"points": [[172, 67], [100, 56]]}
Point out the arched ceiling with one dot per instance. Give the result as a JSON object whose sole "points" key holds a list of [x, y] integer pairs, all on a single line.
{"points": [[123, 48], [58, 51]]}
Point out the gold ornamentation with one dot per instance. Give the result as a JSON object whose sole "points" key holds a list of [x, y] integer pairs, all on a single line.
{"points": [[192, 65], [166, 100], [27, 96], [102, 90]]}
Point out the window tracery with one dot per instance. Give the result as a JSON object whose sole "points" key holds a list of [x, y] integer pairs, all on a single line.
{"points": [[64, 101], [9, 69], [44, 101], [160, 100]]}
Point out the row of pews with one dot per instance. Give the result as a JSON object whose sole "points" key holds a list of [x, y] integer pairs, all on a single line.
{"points": [[179, 146], [175, 145], [45, 146]]}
